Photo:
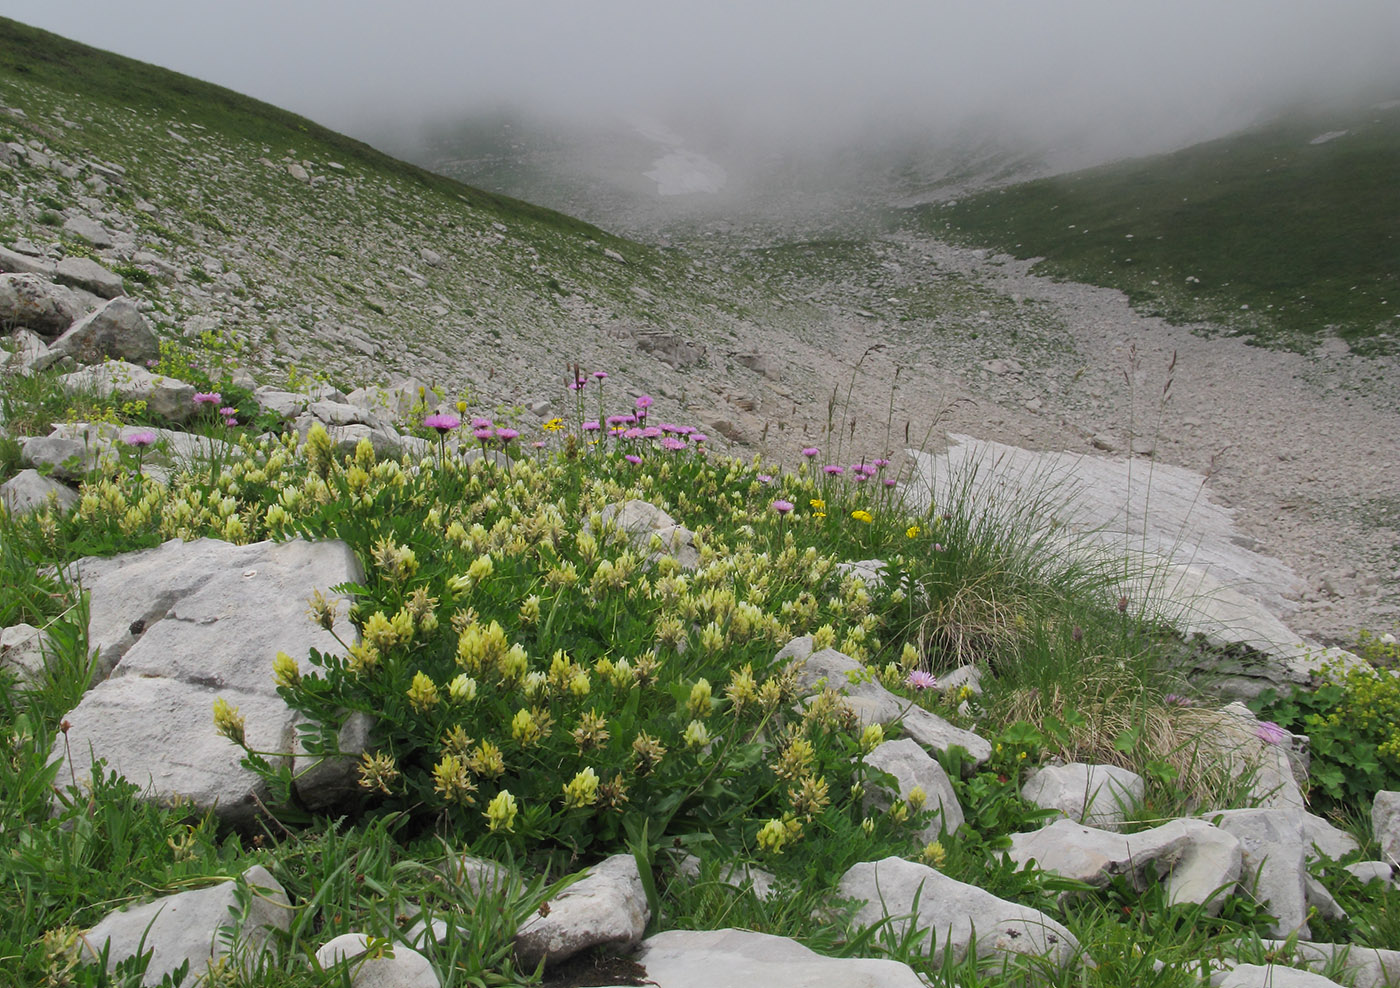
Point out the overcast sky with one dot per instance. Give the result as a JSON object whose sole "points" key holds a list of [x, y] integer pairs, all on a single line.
{"points": [[800, 67]]}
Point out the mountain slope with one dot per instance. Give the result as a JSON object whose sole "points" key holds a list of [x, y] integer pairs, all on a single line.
{"points": [[1288, 232], [295, 244]]}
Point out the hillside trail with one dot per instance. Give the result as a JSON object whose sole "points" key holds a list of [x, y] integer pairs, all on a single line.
{"points": [[1303, 450]]}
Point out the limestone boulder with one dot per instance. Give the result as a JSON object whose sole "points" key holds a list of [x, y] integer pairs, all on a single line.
{"points": [[1273, 976], [14, 262], [187, 623], [733, 958], [197, 927], [913, 767], [873, 703], [1099, 795], [396, 402], [34, 302], [1199, 863], [391, 966], [24, 353], [652, 530], [87, 274], [29, 491], [1364, 967], [607, 907], [55, 456], [1273, 850], [87, 228], [962, 918], [22, 648], [164, 396], [116, 330], [1385, 824]]}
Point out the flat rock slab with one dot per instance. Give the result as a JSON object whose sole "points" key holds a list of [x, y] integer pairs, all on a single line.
{"points": [[1200, 863], [962, 918], [607, 907], [743, 959], [872, 703], [184, 624], [194, 927]]}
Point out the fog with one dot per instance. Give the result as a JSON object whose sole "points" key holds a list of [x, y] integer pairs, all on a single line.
{"points": [[1120, 74]]}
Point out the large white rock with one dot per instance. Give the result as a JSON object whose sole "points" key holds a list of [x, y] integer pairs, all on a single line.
{"points": [[165, 396], [116, 330], [961, 917], [1273, 849], [874, 704], [607, 907], [196, 927], [389, 966], [184, 624], [1385, 824], [58, 457], [33, 301], [744, 959], [1200, 863], [912, 766], [1365, 967], [1099, 795], [22, 649], [29, 491], [85, 273], [1273, 976]]}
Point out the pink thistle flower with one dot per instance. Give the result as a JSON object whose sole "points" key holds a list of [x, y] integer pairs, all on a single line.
{"points": [[782, 507], [833, 469], [889, 481], [442, 422], [578, 385], [601, 375], [226, 410], [208, 398], [881, 463], [861, 478], [651, 432], [480, 423], [938, 547], [539, 444], [505, 435], [672, 443], [140, 439], [1177, 700], [484, 433], [591, 427], [699, 437], [810, 452], [921, 680], [1271, 733], [765, 478], [633, 433], [633, 459], [230, 421], [644, 401]]}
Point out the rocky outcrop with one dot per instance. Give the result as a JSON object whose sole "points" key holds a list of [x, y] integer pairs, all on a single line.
{"points": [[607, 907], [1099, 795], [116, 330]]}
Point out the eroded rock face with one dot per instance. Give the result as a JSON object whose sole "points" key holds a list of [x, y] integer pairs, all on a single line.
{"points": [[1272, 847], [706, 959], [1199, 863], [956, 913], [607, 907], [34, 302], [195, 927], [184, 624], [116, 330]]}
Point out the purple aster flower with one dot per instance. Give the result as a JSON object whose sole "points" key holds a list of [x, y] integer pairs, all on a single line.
{"points": [[226, 410], [616, 420], [484, 433], [1271, 733], [861, 478], [601, 375], [782, 507], [633, 433], [833, 469], [881, 463], [651, 432], [591, 427], [633, 459], [480, 423], [921, 680], [577, 385], [889, 481], [442, 422], [810, 452], [230, 421], [699, 437], [672, 443], [644, 401], [505, 435], [1177, 700], [765, 478], [139, 439], [670, 427], [208, 398]]}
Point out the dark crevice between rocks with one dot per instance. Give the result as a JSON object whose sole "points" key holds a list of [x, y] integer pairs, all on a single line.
{"points": [[595, 968]]}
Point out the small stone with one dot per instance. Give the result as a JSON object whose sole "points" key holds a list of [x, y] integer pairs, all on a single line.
{"points": [[607, 907], [389, 966]]}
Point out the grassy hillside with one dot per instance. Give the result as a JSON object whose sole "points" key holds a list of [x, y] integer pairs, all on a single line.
{"points": [[296, 244], [1271, 232]]}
